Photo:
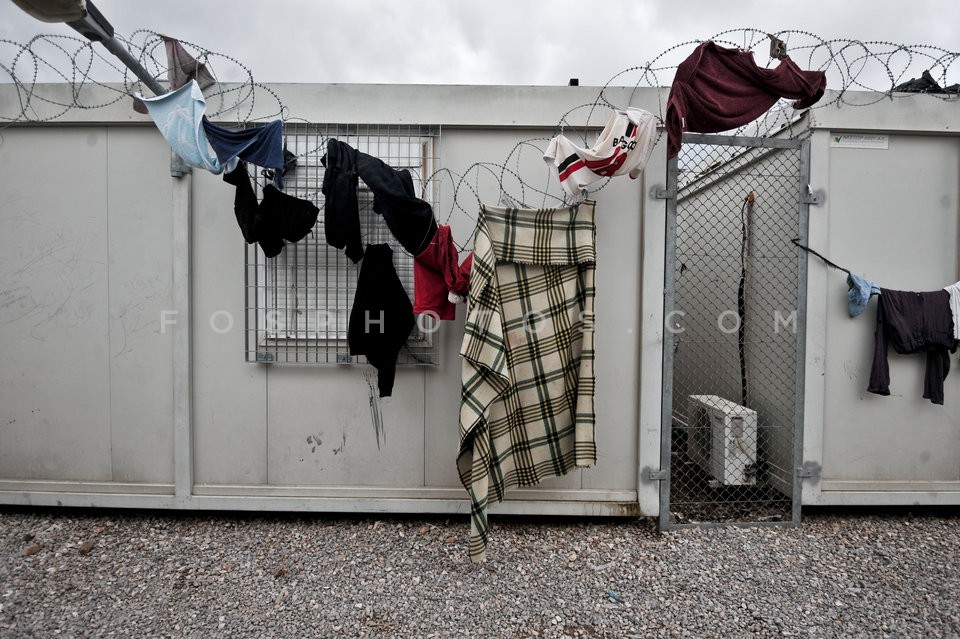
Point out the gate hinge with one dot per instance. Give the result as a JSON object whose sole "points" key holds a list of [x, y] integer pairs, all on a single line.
{"points": [[810, 196], [657, 475], [657, 192], [809, 470]]}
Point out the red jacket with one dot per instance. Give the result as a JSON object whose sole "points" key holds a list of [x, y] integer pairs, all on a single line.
{"points": [[437, 272]]}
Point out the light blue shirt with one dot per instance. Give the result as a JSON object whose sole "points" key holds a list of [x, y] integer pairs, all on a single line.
{"points": [[179, 116]]}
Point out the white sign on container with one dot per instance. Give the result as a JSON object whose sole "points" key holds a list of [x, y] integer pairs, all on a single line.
{"points": [[859, 141]]}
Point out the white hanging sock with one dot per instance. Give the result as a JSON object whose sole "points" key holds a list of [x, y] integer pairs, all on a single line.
{"points": [[624, 147]]}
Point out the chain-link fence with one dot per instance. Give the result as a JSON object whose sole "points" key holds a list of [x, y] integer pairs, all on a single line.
{"points": [[734, 331]]}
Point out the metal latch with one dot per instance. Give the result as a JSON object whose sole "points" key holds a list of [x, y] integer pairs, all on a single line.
{"points": [[809, 196], [657, 475], [264, 356], [659, 193], [808, 471]]}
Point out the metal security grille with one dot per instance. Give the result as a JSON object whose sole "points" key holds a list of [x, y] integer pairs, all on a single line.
{"points": [[734, 333], [298, 303]]}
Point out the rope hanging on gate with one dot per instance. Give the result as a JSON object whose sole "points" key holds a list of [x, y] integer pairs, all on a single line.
{"points": [[746, 218]]}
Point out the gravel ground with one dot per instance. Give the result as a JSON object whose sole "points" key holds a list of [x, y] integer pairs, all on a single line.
{"points": [[120, 574]]}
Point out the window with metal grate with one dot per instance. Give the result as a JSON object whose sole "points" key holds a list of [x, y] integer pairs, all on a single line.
{"points": [[298, 303]]}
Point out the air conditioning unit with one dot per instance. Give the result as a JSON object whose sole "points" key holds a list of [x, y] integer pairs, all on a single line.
{"points": [[722, 439]]}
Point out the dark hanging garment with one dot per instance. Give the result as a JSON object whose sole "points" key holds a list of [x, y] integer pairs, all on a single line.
{"points": [[289, 162], [341, 212], [282, 217], [181, 68], [409, 218], [382, 316], [247, 210], [718, 89], [244, 202], [925, 84], [262, 145], [913, 323]]}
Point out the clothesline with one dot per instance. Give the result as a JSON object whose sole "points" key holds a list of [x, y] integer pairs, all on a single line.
{"points": [[911, 321], [796, 241], [859, 289]]}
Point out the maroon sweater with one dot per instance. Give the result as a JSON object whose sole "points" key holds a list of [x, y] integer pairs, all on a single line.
{"points": [[718, 89]]}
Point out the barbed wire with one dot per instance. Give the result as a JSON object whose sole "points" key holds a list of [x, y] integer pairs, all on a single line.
{"points": [[72, 61], [874, 66]]}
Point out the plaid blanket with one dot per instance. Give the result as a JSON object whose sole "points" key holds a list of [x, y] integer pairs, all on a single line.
{"points": [[528, 362]]}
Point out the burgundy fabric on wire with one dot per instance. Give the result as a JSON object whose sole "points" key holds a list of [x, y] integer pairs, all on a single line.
{"points": [[718, 89]]}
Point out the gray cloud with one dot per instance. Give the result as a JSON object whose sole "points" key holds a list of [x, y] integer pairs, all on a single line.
{"points": [[494, 42]]}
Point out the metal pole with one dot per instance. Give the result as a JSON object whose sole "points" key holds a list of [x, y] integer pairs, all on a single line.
{"points": [[116, 48], [97, 28], [670, 344]]}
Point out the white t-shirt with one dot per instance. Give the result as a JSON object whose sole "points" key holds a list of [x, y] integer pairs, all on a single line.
{"points": [[954, 290], [624, 146]]}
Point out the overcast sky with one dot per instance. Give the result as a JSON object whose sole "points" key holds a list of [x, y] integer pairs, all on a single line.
{"points": [[489, 42]]}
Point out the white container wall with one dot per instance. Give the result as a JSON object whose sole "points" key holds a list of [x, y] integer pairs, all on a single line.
{"points": [[124, 381], [87, 243], [121, 387], [890, 173]]}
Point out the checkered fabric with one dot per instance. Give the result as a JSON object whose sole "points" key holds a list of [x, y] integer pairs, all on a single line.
{"points": [[528, 360]]}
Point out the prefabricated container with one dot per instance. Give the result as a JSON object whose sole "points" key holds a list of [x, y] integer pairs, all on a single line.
{"points": [[153, 360]]}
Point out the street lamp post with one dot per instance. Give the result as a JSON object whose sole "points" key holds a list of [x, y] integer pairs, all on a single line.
{"points": [[96, 28], [84, 18]]}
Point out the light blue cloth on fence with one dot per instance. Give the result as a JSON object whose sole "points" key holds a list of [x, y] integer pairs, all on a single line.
{"points": [[179, 116], [859, 290]]}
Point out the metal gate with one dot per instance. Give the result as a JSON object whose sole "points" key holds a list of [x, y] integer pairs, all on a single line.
{"points": [[734, 309]]}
